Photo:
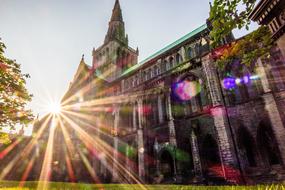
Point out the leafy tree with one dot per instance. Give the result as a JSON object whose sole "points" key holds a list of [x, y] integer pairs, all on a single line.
{"points": [[226, 15], [4, 139], [13, 93], [254, 45]]}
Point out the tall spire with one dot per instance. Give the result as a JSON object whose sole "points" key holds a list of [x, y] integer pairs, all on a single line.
{"points": [[116, 29], [117, 12], [82, 59]]}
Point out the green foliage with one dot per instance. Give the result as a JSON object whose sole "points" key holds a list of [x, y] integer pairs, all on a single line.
{"points": [[13, 93], [255, 45], [226, 15], [4, 139]]}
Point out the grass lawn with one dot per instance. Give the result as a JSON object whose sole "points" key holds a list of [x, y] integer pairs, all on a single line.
{"points": [[12, 185]]}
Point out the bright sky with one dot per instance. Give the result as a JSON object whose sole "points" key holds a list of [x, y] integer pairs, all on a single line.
{"points": [[48, 37]]}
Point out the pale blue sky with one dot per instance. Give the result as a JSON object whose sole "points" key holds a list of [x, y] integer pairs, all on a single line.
{"points": [[48, 37]]}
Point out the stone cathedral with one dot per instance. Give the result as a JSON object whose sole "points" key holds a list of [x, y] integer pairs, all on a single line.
{"points": [[169, 118]]}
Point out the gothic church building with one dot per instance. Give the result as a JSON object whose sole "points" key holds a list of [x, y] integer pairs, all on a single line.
{"points": [[170, 119]]}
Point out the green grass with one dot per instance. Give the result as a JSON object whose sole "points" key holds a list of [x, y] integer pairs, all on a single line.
{"points": [[12, 185]]}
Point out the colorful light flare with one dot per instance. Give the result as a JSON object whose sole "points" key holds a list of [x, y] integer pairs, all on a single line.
{"points": [[46, 170], [229, 83], [232, 82], [186, 90], [4, 152], [102, 147]]}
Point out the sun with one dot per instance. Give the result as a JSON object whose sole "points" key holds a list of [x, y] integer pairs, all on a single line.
{"points": [[54, 108]]}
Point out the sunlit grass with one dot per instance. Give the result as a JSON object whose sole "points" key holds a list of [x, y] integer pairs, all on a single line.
{"points": [[12, 185]]}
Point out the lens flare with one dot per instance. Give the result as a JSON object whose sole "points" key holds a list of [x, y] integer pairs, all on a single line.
{"points": [[186, 90], [231, 82]]}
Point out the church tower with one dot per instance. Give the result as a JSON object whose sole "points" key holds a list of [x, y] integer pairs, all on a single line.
{"points": [[114, 56], [116, 29]]}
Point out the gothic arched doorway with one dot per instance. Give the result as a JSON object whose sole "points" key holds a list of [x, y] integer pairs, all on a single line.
{"points": [[166, 165], [267, 144], [247, 146], [211, 157], [210, 151]]}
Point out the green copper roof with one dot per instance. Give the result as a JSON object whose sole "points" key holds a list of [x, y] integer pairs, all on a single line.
{"points": [[165, 49]]}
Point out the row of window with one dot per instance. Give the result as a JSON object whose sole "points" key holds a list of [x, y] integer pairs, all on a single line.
{"points": [[194, 50], [129, 115], [154, 71], [153, 109]]}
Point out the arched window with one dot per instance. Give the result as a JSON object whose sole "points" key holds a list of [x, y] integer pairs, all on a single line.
{"points": [[151, 72], [171, 62], [137, 80], [178, 58], [144, 76], [197, 49], [167, 65], [148, 74], [133, 81], [190, 53], [267, 144], [247, 146], [155, 70], [163, 108], [158, 69], [163, 66]]}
